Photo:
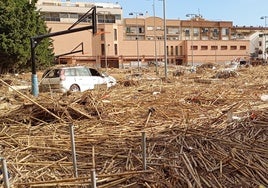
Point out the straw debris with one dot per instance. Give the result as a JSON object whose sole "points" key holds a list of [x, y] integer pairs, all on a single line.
{"points": [[200, 132]]}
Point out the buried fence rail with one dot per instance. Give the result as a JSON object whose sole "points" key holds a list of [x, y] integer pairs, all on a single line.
{"points": [[5, 172], [143, 143], [93, 179], [73, 150]]}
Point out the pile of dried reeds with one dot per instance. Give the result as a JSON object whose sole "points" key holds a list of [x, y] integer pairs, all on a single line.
{"points": [[197, 134]]}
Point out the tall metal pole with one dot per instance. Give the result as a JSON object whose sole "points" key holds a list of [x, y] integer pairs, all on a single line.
{"points": [[265, 39], [105, 48], [216, 46], [137, 36], [105, 41], [191, 36], [155, 46], [165, 37], [192, 48], [265, 54]]}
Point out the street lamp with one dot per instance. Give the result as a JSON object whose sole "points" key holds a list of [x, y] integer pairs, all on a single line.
{"points": [[137, 32], [105, 46], [265, 54], [155, 46], [155, 50], [191, 35], [165, 36]]}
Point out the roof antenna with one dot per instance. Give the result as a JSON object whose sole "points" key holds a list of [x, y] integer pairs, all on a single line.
{"points": [[199, 13]]}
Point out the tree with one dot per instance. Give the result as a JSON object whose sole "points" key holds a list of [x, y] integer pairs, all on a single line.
{"points": [[19, 21]]}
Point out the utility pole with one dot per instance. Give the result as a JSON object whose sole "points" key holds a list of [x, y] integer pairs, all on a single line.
{"points": [[155, 46], [191, 35], [264, 32], [137, 34], [165, 37]]}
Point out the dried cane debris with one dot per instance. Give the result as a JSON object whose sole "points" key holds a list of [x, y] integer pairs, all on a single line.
{"points": [[197, 135]]}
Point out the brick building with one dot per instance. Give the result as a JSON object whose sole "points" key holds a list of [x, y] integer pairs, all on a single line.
{"points": [[127, 41]]}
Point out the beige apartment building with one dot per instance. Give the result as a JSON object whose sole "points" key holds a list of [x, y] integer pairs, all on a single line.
{"points": [[122, 42]]}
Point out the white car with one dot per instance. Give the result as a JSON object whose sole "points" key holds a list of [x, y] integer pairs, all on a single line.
{"points": [[76, 78]]}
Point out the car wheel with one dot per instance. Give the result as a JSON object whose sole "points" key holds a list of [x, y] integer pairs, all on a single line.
{"points": [[74, 88]]}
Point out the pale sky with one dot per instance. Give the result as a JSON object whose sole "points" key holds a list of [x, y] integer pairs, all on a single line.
{"points": [[241, 12]]}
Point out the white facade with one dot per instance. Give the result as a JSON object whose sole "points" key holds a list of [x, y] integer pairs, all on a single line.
{"points": [[263, 45], [69, 12]]}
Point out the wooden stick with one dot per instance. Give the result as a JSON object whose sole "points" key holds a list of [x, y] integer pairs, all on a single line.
{"points": [[40, 106]]}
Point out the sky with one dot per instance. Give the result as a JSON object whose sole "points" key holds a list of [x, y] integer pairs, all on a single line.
{"points": [[240, 12]]}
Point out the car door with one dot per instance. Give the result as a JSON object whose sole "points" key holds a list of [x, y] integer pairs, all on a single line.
{"points": [[51, 80], [84, 79]]}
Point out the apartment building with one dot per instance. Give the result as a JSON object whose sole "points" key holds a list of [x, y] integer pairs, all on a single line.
{"points": [[122, 42], [191, 41]]}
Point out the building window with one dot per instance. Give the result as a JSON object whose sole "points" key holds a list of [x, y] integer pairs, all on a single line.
{"points": [[128, 30], [173, 30], [204, 47], [140, 30], [177, 50], [224, 47], [243, 47], [87, 19], [194, 47], [172, 50], [135, 30], [224, 31], [214, 34], [196, 32], [106, 18], [73, 16], [115, 49], [204, 31], [187, 32], [167, 50], [102, 49], [48, 4], [51, 17], [214, 47], [115, 34], [117, 17], [233, 48], [63, 15], [132, 30]]}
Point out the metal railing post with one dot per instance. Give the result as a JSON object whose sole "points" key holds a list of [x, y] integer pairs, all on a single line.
{"points": [[73, 150], [5, 173], [143, 143]]}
